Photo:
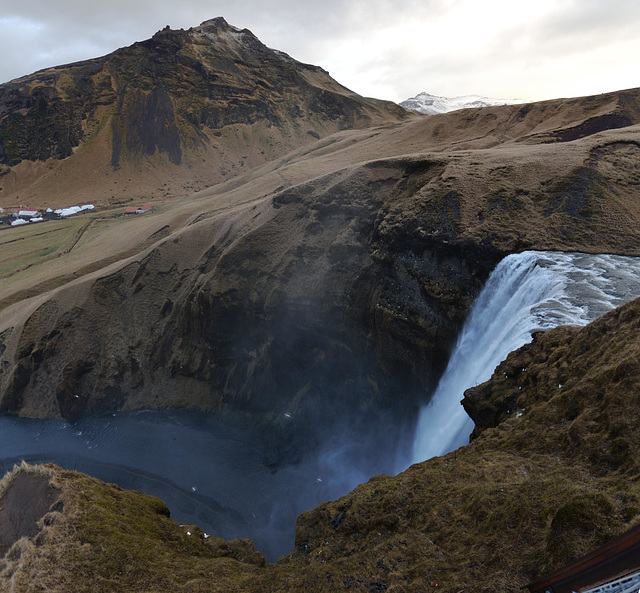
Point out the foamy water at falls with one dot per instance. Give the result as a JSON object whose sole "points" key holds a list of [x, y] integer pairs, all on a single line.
{"points": [[526, 292]]}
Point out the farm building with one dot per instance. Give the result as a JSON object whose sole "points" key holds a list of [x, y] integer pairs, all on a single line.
{"points": [[25, 214], [138, 209]]}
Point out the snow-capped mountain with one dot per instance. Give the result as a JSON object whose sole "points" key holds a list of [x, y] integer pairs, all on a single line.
{"points": [[432, 104]]}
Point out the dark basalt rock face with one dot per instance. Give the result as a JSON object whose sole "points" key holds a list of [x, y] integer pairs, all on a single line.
{"points": [[24, 500], [52, 128], [155, 130]]}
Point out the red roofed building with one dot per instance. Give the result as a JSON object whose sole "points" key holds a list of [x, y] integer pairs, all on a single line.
{"points": [[23, 213]]}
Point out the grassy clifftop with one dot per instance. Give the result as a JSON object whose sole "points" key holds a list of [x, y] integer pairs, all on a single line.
{"points": [[552, 474]]}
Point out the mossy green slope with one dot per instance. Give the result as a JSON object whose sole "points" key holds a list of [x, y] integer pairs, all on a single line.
{"points": [[553, 476], [109, 539]]}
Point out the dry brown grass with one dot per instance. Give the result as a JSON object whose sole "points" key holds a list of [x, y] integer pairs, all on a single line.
{"points": [[23, 467], [108, 539]]}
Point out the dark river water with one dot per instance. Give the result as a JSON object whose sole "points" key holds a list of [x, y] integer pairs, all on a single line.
{"points": [[207, 474]]}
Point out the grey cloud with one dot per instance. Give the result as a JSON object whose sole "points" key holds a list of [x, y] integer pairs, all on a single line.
{"points": [[578, 26], [73, 30], [593, 17], [35, 34]]}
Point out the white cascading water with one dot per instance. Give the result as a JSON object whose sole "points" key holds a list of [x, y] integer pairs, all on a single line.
{"points": [[526, 292]]}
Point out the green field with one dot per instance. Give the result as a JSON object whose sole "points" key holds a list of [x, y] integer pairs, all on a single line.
{"points": [[24, 246]]}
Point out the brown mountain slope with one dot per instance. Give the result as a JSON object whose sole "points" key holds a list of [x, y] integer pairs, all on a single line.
{"points": [[331, 271], [165, 117], [533, 491]]}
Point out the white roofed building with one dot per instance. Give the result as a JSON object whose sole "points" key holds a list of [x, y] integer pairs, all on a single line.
{"points": [[25, 214]]}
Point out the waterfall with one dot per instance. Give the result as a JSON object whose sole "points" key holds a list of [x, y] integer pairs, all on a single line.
{"points": [[526, 292]]}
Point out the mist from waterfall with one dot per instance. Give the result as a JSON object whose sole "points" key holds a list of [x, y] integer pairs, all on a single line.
{"points": [[526, 292]]}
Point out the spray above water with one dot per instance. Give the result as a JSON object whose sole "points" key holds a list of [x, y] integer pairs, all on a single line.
{"points": [[526, 292]]}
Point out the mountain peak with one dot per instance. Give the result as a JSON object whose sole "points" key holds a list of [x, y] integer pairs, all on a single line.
{"points": [[212, 28], [433, 104], [179, 98], [215, 25]]}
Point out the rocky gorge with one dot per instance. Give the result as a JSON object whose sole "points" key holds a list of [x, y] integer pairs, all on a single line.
{"points": [[320, 293]]}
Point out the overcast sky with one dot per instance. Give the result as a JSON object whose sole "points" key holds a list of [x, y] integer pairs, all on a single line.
{"points": [[387, 49]]}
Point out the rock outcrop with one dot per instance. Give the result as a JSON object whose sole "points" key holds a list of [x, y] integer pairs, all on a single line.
{"points": [[27, 496]]}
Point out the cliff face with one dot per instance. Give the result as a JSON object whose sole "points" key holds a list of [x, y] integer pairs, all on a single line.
{"points": [[297, 305], [212, 98], [328, 285]]}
